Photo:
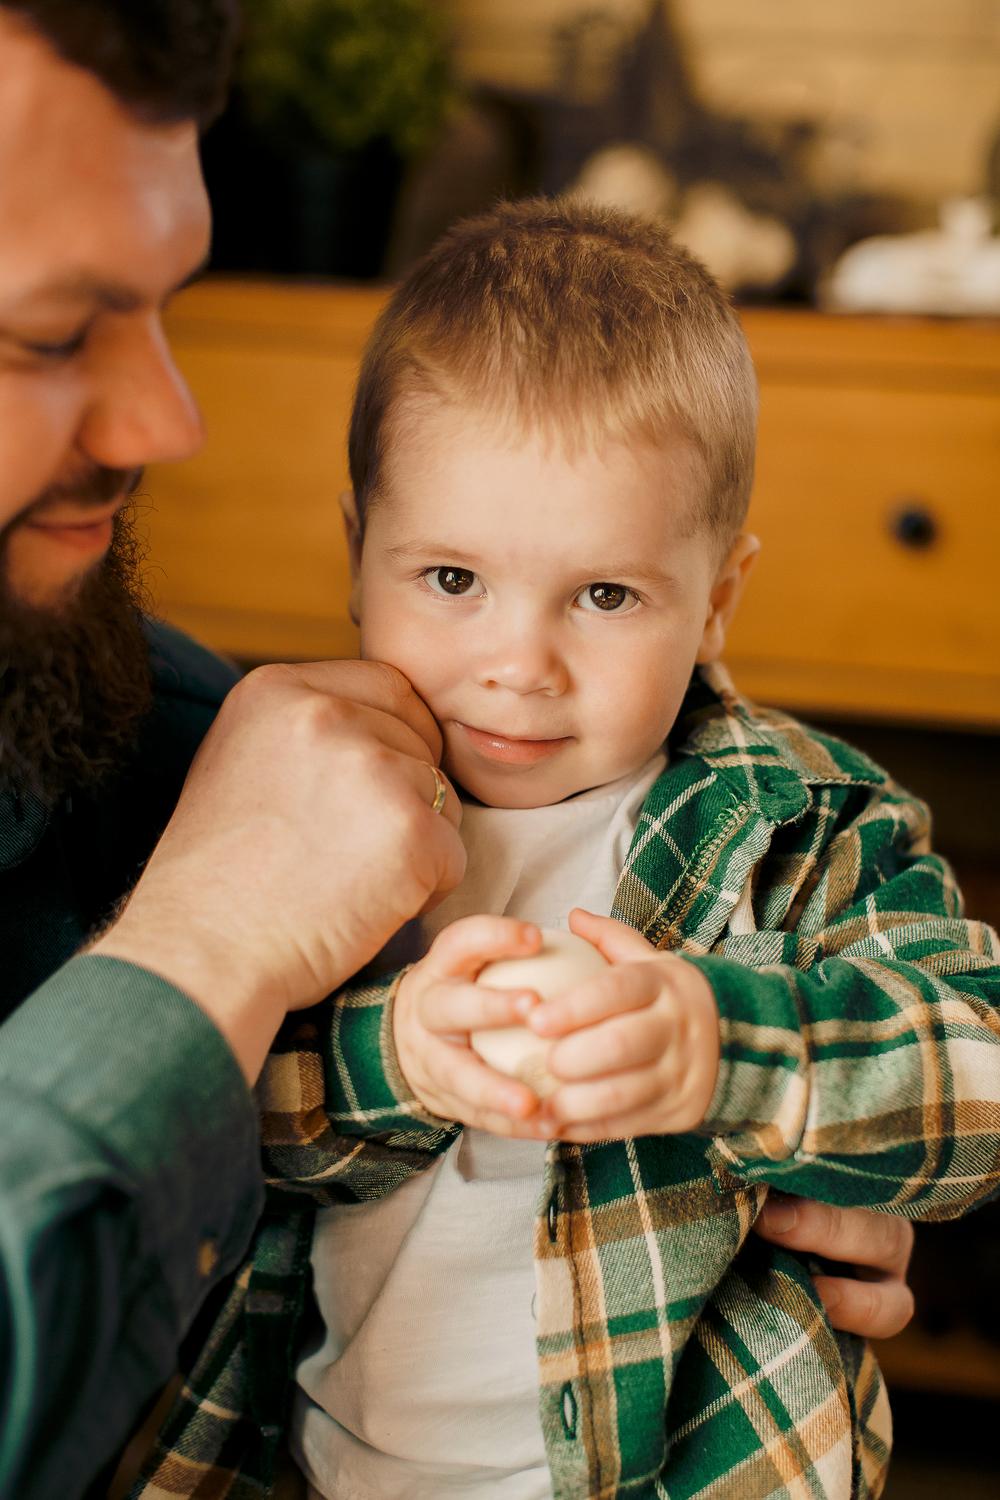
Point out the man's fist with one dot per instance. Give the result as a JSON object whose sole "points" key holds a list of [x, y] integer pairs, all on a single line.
{"points": [[303, 838]]}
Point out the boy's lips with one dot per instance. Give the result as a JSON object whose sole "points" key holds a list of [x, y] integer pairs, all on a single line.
{"points": [[505, 749]]}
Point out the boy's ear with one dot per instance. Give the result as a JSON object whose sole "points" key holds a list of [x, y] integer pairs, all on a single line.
{"points": [[726, 593], [352, 529]]}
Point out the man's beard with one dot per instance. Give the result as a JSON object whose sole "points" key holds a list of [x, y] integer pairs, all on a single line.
{"points": [[74, 680]]}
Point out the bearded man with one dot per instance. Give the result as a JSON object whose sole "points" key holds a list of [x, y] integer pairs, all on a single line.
{"points": [[269, 835]]}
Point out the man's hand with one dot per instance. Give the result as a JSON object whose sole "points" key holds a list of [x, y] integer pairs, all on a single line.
{"points": [[438, 1004], [303, 838], [639, 1043], [875, 1303]]}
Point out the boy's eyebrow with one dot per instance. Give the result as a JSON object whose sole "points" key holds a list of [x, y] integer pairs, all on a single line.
{"points": [[637, 572], [421, 547], [611, 571]]}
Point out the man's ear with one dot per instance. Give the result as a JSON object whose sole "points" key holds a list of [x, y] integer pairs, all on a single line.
{"points": [[352, 529], [727, 591]]}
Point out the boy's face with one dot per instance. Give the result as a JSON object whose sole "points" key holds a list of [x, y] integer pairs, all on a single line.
{"points": [[549, 609]]}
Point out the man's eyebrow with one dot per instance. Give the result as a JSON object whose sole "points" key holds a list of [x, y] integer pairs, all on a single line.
{"points": [[110, 296]]}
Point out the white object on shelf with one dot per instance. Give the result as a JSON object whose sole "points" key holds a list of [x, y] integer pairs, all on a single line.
{"points": [[742, 249], [952, 270], [629, 177]]}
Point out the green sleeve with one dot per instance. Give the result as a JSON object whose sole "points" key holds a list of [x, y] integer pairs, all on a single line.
{"points": [[336, 1110], [129, 1185], [861, 1052]]}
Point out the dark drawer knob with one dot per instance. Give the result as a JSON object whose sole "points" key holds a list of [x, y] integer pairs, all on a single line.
{"points": [[914, 526]]}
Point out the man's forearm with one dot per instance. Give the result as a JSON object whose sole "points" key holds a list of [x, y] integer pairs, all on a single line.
{"points": [[129, 1183], [191, 955]]}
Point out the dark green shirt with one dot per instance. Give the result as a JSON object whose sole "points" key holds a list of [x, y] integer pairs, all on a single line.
{"points": [[129, 1158]]}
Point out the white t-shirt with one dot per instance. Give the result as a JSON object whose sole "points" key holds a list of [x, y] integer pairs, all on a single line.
{"points": [[422, 1383]]}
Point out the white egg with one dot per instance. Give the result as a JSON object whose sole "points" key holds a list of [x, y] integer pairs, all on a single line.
{"points": [[563, 962]]}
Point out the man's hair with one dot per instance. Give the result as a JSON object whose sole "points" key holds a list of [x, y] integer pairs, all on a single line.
{"points": [[164, 60], [562, 316]]}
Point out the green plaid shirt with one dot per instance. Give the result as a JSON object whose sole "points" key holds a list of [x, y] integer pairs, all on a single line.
{"points": [[860, 1065]]}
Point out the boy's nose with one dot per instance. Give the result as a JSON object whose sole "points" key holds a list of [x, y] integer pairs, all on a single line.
{"points": [[527, 664]]}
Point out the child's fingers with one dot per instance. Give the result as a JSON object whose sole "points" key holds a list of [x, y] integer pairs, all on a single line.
{"points": [[455, 1006], [646, 1119], [463, 948], [475, 1094], [528, 1129], [614, 940], [604, 1100], [636, 1040], [627, 987], [621, 1128]]}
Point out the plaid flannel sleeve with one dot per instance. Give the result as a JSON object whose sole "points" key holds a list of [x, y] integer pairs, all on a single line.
{"points": [[861, 1051], [337, 1116]]}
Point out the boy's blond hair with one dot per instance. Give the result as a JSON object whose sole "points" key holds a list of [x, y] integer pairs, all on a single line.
{"points": [[558, 314]]}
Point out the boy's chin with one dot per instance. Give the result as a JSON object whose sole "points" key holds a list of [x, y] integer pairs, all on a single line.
{"points": [[521, 789]]}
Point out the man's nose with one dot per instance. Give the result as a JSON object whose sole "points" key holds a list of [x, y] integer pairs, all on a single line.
{"points": [[142, 411], [524, 659]]}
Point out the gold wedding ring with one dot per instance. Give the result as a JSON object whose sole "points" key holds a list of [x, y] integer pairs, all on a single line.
{"points": [[440, 790]]}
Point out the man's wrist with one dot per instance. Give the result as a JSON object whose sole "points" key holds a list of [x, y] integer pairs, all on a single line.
{"points": [[195, 961]]}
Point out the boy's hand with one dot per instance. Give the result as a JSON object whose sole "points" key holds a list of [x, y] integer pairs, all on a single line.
{"points": [[639, 1045], [438, 1004]]}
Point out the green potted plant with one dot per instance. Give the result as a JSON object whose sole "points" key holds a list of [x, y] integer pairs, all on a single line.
{"points": [[334, 97]]}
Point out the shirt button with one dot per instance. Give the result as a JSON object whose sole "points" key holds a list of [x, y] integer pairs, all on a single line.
{"points": [[568, 1411], [552, 1216], [208, 1257]]}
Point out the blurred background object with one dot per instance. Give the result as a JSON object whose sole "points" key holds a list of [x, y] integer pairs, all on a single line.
{"points": [[953, 270], [804, 151], [773, 137], [332, 99], [839, 121]]}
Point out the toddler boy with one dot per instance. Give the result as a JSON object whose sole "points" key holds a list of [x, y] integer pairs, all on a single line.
{"points": [[552, 454]]}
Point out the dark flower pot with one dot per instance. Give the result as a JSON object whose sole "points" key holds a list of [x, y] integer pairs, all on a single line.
{"points": [[306, 212], [340, 211]]}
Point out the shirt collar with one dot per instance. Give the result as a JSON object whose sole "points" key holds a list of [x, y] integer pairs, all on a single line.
{"points": [[771, 760]]}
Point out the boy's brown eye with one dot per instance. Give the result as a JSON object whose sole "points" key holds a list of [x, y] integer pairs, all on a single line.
{"points": [[454, 580], [607, 595]]}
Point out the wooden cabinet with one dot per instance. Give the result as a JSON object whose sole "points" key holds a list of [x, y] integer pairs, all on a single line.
{"points": [[246, 545], [878, 474], [876, 499]]}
